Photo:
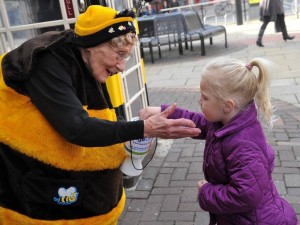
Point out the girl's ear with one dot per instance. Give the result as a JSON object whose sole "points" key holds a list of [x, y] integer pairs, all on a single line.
{"points": [[228, 106]]}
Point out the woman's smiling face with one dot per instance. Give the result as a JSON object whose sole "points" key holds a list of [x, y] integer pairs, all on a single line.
{"points": [[104, 60]]}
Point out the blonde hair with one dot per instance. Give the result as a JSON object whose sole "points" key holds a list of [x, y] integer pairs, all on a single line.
{"points": [[235, 80]]}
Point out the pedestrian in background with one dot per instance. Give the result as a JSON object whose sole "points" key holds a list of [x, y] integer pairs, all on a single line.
{"points": [[238, 162], [148, 10], [173, 3], [272, 10]]}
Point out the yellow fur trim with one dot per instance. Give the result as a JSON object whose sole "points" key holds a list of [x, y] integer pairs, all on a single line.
{"points": [[24, 129], [1, 57], [115, 90], [9, 217]]}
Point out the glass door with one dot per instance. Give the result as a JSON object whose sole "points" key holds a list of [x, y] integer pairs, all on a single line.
{"points": [[21, 20]]}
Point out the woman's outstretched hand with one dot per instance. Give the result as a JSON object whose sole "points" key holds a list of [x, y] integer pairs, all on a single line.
{"points": [[156, 124], [149, 111]]}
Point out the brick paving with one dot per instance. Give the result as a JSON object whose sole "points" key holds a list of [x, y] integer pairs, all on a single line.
{"points": [[166, 193]]}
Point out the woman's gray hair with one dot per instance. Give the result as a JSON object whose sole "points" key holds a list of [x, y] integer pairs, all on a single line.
{"points": [[123, 40]]}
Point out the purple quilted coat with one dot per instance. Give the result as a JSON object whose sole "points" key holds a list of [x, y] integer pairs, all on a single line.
{"points": [[238, 164]]}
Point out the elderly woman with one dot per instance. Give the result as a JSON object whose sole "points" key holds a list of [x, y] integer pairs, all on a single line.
{"points": [[61, 142], [272, 10]]}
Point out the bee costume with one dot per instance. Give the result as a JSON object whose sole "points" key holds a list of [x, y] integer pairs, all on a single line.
{"points": [[51, 174]]}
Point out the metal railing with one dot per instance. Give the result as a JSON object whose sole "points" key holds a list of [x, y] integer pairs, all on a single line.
{"points": [[193, 6], [223, 11], [218, 11], [292, 6]]}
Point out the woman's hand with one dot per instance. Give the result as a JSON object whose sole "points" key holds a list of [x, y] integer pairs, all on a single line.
{"points": [[148, 111], [159, 126]]}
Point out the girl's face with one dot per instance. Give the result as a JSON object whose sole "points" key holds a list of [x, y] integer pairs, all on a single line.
{"points": [[104, 60], [212, 108]]}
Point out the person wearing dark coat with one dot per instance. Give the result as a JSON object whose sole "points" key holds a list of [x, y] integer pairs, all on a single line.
{"points": [[272, 10], [61, 137]]}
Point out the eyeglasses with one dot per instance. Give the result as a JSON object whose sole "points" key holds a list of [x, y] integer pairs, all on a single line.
{"points": [[120, 55]]}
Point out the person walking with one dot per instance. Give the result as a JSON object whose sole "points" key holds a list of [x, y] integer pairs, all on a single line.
{"points": [[272, 10], [238, 162], [61, 139]]}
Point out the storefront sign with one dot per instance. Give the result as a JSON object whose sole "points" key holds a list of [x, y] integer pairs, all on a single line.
{"points": [[69, 9], [252, 2]]}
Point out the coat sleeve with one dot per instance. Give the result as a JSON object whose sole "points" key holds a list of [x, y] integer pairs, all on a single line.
{"points": [[248, 181], [50, 89], [197, 117]]}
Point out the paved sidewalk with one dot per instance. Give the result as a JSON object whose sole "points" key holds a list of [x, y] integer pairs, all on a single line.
{"points": [[167, 193], [174, 70]]}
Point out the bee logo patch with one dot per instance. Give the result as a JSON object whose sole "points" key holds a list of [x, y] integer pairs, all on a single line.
{"points": [[66, 196]]}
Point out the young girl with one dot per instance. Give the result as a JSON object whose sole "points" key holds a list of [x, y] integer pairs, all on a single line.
{"points": [[238, 187]]}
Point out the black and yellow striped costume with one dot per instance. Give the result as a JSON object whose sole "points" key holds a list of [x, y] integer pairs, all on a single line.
{"points": [[46, 177]]}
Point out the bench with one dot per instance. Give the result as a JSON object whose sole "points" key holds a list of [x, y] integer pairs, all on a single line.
{"points": [[170, 30], [160, 30], [175, 29], [196, 30], [148, 36]]}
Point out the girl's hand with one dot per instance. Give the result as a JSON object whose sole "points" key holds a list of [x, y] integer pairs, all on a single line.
{"points": [[201, 183]]}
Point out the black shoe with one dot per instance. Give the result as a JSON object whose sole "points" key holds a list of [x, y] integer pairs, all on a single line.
{"points": [[259, 44], [288, 37]]}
